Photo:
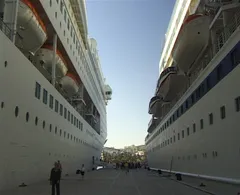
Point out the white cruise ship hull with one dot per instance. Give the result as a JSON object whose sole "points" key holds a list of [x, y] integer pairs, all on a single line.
{"points": [[213, 149], [27, 150]]}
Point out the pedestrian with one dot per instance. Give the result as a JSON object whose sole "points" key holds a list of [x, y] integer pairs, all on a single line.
{"points": [[83, 171], [127, 168], [55, 179], [60, 168]]}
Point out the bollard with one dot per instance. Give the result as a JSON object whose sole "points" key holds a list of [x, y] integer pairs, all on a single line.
{"points": [[202, 185], [178, 176]]}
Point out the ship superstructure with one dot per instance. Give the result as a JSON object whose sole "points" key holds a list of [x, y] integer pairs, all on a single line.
{"points": [[194, 125], [53, 93]]}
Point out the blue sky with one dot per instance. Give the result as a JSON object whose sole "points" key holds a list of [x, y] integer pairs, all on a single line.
{"points": [[129, 35]]}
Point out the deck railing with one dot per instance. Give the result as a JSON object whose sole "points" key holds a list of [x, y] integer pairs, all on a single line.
{"points": [[8, 32]]}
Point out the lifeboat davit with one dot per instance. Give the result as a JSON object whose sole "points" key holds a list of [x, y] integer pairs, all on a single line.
{"points": [[30, 27], [154, 104], [192, 40], [170, 84], [44, 56], [69, 84]]}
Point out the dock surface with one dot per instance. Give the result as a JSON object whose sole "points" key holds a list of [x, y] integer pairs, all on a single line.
{"points": [[111, 182]]}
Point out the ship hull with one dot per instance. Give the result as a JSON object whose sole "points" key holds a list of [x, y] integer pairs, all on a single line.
{"points": [[29, 150], [213, 149]]}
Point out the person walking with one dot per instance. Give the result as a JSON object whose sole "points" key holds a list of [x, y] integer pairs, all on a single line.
{"points": [[55, 179], [83, 171]]}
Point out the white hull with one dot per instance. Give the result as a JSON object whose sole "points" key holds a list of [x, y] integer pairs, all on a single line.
{"points": [[192, 40], [28, 150], [214, 149]]}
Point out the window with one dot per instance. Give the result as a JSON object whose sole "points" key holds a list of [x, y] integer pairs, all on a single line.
{"points": [[61, 109], [194, 128], [68, 24], [171, 139], [201, 123], [61, 6], [192, 98], [178, 136], [223, 112], [37, 90], [69, 116], [219, 72], [75, 120], [72, 118], [45, 96], [65, 15], [182, 133], [208, 83], [237, 104], [56, 106], [235, 58], [210, 118], [188, 131], [51, 102], [79, 125], [186, 104], [65, 113], [55, 14]]}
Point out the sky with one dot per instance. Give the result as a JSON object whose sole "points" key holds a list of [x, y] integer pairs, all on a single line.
{"points": [[130, 35]]}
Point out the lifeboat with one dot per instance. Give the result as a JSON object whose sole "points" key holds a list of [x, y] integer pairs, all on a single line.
{"points": [[192, 40], [154, 104], [170, 84], [152, 124], [69, 84], [44, 56], [30, 27]]}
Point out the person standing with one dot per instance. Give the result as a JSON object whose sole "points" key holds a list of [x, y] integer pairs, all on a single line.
{"points": [[55, 179], [83, 171], [60, 168]]}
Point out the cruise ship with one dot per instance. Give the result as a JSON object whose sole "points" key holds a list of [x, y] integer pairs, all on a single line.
{"points": [[194, 128], [53, 93]]}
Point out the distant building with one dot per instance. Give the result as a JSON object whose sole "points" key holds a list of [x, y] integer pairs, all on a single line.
{"points": [[111, 150]]}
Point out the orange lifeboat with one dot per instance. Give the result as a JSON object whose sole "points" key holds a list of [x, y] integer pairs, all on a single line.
{"points": [[70, 84], [30, 27], [192, 40], [44, 56]]}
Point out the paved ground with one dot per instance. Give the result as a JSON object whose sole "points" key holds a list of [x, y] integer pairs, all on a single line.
{"points": [[112, 182]]}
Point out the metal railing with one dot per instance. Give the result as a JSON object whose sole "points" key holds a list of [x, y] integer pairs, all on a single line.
{"points": [[223, 36], [8, 32]]}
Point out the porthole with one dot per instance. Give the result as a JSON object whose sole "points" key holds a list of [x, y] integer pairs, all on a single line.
{"points": [[5, 64], [2, 104], [27, 116], [16, 111], [36, 121], [43, 124]]}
